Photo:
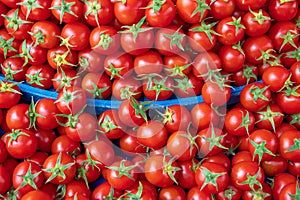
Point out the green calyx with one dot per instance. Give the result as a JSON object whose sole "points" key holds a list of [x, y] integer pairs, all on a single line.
{"points": [[159, 86], [93, 8], [269, 115], [210, 177], [140, 108], [258, 93], [288, 38], [25, 53], [248, 73], [201, 8], [295, 146], [35, 78], [72, 119], [14, 135], [105, 41], [30, 5], [175, 39], [245, 122], [115, 71], [126, 92], [107, 124], [169, 169], [123, 170], [28, 178], [252, 181], [6, 45], [237, 24], [63, 8], [259, 17], [207, 29], [64, 81], [177, 70], [14, 21], [97, 92], [213, 140], [156, 5], [260, 150], [9, 72], [183, 84], [9, 87]]}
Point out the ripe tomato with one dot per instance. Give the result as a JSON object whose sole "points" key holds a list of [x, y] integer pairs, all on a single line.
{"points": [[161, 171], [77, 188], [212, 178], [283, 11], [288, 100], [148, 63], [44, 33], [220, 9], [129, 13], [64, 144], [172, 192], [288, 145], [59, 168], [10, 95], [255, 96], [192, 11], [289, 192], [36, 194], [264, 193], [129, 144], [203, 116], [110, 124], [118, 65], [10, 45], [126, 88], [250, 4], [247, 175], [90, 61], [232, 57], [87, 168], [47, 112], [75, 35], [3, 152], [215, 94], [99, 12], [40, 76], [275, 166], [256, 23], [14, 69], [280, 181], [60, 57], [67, 11], [65, 79], [152, 134], [45, 139], [103, 191], [37, 10], [295, 71], [5, 180], [186, 177], [27, 177], [196, 193], [21, 143]]}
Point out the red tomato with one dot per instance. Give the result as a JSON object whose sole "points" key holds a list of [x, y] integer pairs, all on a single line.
{"points": [[203, 116], [256, 23], [129, 13], [67, 11], [192, 11], [37, 10], [288, 145], [36, 194], [40, 76], [283, 11], [99, 12]]}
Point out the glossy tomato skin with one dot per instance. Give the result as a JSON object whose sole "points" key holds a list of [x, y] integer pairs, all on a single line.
{"points": [[275, 77], [45, 72], [266, 192], [221, 9], [257, 23], [275, 166], [21, 170], [111, 125], [76, 8], [280, 181], [102, 191], [36, 55], [122, 62], [36, 194], [85, 168], [186, 177], [288, 147], [197, 194], [60, 57], [41, 13], [186, 9], [14, 69], [172, 192], [15, 43], [64, 144], [283, 11], [295, 71], [96, 16], [289, 103], [250, 4], [127, 87], [221, 181], [3, 152], [5, 181], [155, 170], [255, 96], [23, 146], [163, 17], [148, 63], [152, 134], [90, 61], [47, 110], [101, 151], [203, 115], [49, 31], [215, 95], [77, 188], [288, 191], [263, 123], [232, 59], [52, 161], [241, 170], [132, 8], [9, 99], [45, 139]]}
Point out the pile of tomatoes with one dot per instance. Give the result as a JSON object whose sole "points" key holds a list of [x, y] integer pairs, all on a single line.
{"points": [[132, 50]]}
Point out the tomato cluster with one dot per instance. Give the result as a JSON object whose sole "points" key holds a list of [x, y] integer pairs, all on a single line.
{"points": [[132, 50]]}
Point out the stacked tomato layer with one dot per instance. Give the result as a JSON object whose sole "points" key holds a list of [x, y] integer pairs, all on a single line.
{"points": [[157, 49]]}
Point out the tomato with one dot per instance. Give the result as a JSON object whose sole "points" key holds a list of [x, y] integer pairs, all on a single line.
{"points": [[288, 100], [104, 190], [126, 88], [10, 94], [21, 143], [16, 24], [99, 12], [17, 117], [152, 134], [232, 57], [158, 87], [97, 85], [90, 61], [137, 39], [3, 152], [283, 11], [87, 168], [46, 114], [38, 158], [221, 9], [247, 175], [132, 112], [203, 115], [64, 163], [130, 13], [196, 194], [148, 63], [289, 192], [129, 144], [192, 11], [275, 77], [104, 40], [283, 128], [14, 69], [161, 170], [230, 30], [66, 11], [110, 124], [10, 3], [256, 23], [294, 168], [264, 193], [27, 177], [40, 76], [36, 194], [255, 96], [241, 156], [65, 79], [170, 40], [263, 145], [44, 33], [9, 46], [77, 188], [230, 192], [81, 127], [5, 180], [250, 4], [101, 151], [284, 35], [215, 94], [75, 34], [64, 144], [45, 139], [220, 159], [188, 86], [288, 145], [246, 75], [275, 166], [254, 46], [142, 190], [118, 65], [280, 181], [121, 175], [71, 100], [60, 57], [295, 71], [186, 177], [37, 10], [172, 192]]}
